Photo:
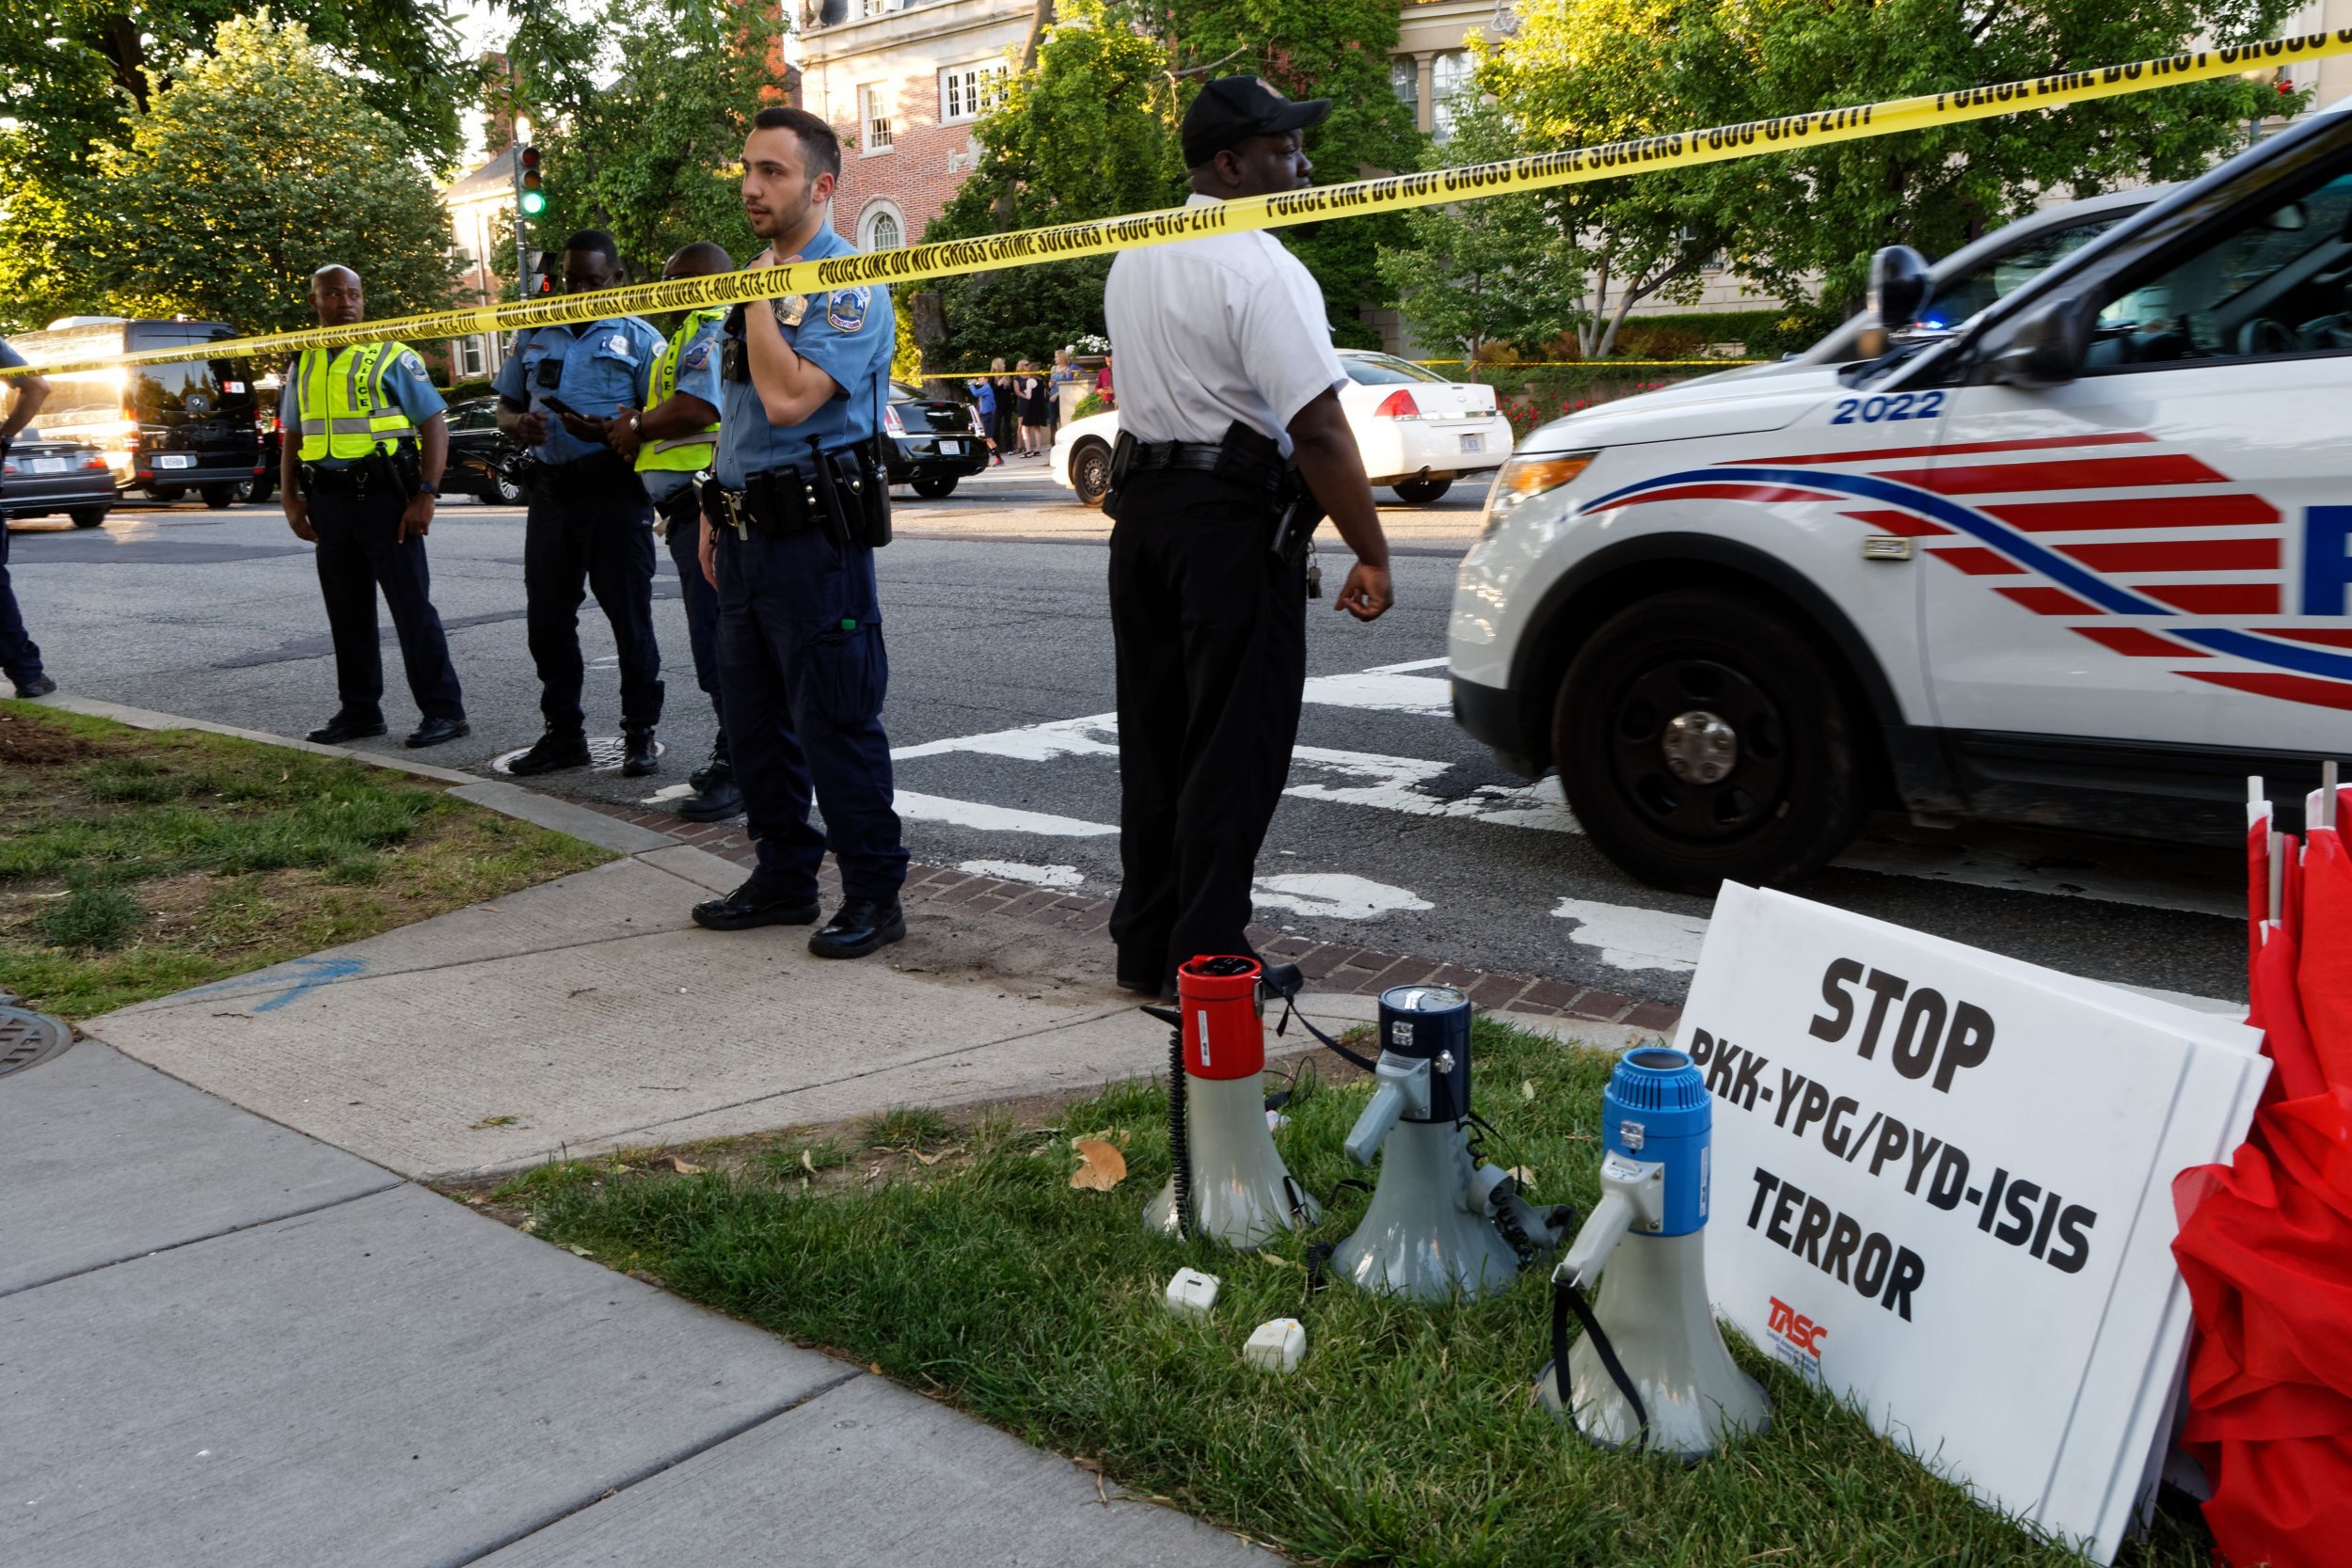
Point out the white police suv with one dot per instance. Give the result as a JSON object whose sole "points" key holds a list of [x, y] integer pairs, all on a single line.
{"points": [[2081, 560]]}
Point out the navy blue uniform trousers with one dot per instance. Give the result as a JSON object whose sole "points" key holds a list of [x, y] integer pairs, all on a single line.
{"points": [[590, 528], [1210, 633], [682, 511], [802, 677], [20, 656], [360, 552]]}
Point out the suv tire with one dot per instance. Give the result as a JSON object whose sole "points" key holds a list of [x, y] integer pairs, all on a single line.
{"points": [[1700, 739], [167, 494], [221, 498], [87, 517], [1090, 472], [1421, 492], [936, 489], [502, 490]]}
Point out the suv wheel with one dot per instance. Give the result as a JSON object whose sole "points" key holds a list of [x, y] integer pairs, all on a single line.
{"points": [[502, 490], [165, 493], [87, 517], [221, 498], [935, 489], [1090, 472], [1421, 492], [1700, 739], [263, 488]]}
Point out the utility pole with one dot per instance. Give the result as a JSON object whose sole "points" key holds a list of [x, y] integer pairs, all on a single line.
{"points": [[523, 239]]}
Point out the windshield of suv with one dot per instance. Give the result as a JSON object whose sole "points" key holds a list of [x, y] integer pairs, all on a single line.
{"points": [[193, 388], [1380, 370], [1962, 297]]}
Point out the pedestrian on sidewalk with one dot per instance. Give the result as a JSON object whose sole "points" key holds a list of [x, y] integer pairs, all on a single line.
{"points": [[984, 406], [1000, 388], [802, 494], [360, 484], [590, 525], [20, 656], [1065, 374], [1034, 392], [671, 443], [1103, 386], [1232, 403]]}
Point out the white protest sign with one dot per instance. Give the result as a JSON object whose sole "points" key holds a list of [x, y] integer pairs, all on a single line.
{"points": [[1941, 1189]]}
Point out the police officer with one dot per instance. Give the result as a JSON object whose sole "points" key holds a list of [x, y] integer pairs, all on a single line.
{"points": [[360, 484], [1230, 381], [20, 656], [798, 503], [672, 442], [589, 522]]}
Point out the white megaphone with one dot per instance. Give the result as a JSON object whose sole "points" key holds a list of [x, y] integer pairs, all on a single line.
{"points": [[1440, 1222], [1228, 1183], [1651, 1371]]}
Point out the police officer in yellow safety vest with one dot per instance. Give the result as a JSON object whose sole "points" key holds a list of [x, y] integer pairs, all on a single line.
{"points": [[364, 439], [673, 441]]}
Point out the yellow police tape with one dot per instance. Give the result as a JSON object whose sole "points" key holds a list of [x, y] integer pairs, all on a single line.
{"points": [[1390, 193]]}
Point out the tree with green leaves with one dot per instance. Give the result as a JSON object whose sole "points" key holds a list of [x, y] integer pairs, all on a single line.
{"points": [[1503, 270], [641, 115], [1580, 71], [255, 165]]}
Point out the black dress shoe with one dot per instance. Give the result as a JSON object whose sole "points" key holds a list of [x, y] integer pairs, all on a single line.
{"points": [[434, 731], [861, 925], [753, 905], [549, 752], [39, 686], [713, 803], [638, 757], [344, 727], [719, 769]]}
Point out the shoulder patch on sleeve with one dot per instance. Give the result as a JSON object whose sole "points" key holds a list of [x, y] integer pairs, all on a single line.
{"points": [[845, 309], [696, 357], [412, 365]]}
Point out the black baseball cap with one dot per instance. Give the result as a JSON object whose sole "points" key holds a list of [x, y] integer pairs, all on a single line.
{"points": [[1233, 109]]}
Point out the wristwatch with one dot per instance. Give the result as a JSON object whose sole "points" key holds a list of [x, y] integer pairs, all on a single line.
{"points": [[426, 488]]}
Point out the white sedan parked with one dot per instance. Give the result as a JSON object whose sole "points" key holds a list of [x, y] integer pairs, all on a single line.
{"points": [[1418, 432]]}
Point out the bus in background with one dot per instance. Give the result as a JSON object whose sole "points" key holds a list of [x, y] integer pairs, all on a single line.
{"points": [[165, 429]]}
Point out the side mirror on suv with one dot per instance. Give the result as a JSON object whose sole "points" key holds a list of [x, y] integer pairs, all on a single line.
{"points": [[1899, 279], [2044, 347]]}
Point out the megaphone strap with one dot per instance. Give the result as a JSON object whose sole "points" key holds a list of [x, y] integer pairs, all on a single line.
{"points": [[1567, 1298], [1290, 1010]]}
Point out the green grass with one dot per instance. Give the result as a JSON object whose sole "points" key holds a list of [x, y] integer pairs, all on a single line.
{"points": [[1407, 1436], [134, 864]]}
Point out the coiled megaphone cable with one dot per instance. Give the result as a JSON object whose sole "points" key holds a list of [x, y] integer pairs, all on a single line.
{"points": [[1180, 1177]]}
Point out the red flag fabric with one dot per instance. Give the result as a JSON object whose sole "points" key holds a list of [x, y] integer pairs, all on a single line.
{"points": [[2324, 968], [2265, 1248], [2278, 1012]]}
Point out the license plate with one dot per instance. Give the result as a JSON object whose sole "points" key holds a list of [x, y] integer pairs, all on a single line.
{"points": [[176, 460], [951, 448], [45, 465], [1473, 443]]}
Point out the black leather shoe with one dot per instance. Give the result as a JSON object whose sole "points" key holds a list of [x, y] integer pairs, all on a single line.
{"points": [[638, 757], [860, 926], [751, 905], [434, 731], [344, 727], [718, 770], [712, 803], [549, 752], [40, 686]]}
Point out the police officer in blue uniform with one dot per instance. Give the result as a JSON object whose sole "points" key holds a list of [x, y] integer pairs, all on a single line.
{"points": [[798, 506], [672, 443], [366, 438], [590, 523], [20, 656]]}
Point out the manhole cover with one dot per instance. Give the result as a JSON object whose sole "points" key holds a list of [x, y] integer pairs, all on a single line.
{"points": [[29, 1039]]}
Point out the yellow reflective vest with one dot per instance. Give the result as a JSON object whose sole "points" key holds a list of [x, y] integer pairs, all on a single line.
{"points": [[344, 410], [686, 454]]}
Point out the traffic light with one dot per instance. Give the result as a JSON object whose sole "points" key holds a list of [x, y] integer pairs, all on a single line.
{"points": [[530, 197], [541, 277]]}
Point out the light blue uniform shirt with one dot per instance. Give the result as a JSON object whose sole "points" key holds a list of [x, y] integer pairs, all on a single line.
{"points": [[404, 381], [697, 377], [8, 356], [597, 368], [846, 333]]}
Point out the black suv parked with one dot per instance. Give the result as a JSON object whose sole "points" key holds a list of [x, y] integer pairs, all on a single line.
{"points": [[165, 429]]}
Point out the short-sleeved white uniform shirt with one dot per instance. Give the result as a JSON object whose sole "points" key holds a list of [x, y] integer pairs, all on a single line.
{"points": [[1207, 331]]}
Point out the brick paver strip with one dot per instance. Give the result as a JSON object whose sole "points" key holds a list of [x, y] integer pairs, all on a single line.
{"points": [[1366, 971]]}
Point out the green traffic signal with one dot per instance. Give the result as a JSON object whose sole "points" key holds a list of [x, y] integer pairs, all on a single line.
{"points": [[532, 198]]}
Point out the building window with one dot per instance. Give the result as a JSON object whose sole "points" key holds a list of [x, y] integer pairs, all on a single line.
{"points": [[1449, 81], [1404, 80], [884, 229], [469, 357], [969, 91], [873, 112]]}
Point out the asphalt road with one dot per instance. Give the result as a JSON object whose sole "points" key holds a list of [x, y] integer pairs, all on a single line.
{"points": [[1398, 832]]}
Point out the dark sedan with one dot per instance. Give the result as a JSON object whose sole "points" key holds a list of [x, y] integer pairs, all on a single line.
{"points": [[481, 457], [932, 443], [41, 477]]}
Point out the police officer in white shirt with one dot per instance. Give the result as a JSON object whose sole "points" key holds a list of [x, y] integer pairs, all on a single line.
{"points": [[1229, 410]]}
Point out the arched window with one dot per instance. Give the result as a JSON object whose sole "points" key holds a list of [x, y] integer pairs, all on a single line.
{"points": [[885, 228]]}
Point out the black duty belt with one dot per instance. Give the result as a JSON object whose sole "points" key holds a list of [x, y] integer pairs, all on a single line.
{"points": [[775, 503], [1204, 456]]}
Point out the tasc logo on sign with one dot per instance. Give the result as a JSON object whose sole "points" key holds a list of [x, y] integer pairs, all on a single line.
{"points": [[1909, 1130]]}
